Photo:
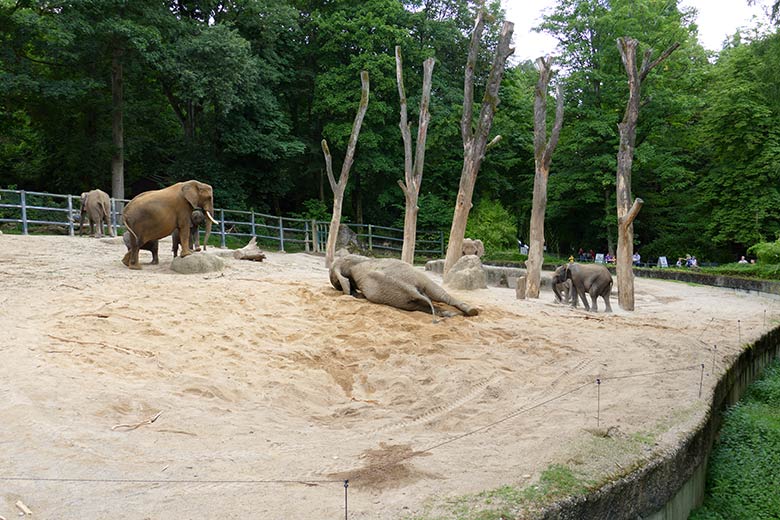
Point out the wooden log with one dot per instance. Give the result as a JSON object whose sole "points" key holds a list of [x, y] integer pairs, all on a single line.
{"points": [[249, 252], [520, 289]]}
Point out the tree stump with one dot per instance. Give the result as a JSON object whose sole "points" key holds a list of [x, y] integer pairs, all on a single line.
{"points": [[520, 289], [249, 252]]}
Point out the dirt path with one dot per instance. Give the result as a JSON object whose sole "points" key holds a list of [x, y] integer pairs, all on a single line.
{"points": [[264, 373]]}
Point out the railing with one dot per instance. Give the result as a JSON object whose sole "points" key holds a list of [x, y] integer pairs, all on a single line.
{"points": [[29, 209]]}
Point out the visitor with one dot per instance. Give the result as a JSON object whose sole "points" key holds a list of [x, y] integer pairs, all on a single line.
{"points": [[742, 260], [636, 258], [607, 258]]}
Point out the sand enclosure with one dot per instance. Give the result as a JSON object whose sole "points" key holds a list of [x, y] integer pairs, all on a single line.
{"points": [[271, 387]]}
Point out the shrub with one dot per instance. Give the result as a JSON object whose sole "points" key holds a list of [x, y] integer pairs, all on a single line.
{"points": [[766, 252], [492, 224], [742, 476]]}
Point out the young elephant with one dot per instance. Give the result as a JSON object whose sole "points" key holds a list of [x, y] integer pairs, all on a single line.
{"points": [[150, 246], [196, 219], [96, 205], [593, 279], [391, 282]]}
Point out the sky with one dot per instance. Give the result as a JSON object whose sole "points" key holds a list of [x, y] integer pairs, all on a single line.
{"points": [[717, 19]]}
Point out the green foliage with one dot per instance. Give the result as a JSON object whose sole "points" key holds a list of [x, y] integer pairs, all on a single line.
{"points": [[491, 223], [759, 270], [766, 252], [742, 476], [315, 209]]}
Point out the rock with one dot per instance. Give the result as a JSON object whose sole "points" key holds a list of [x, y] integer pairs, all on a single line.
{"points": [[197, 263], [467, 274], [473, 247], [348, 239]]}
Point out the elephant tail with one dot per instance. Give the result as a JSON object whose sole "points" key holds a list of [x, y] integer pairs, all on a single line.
{"points": [[127, 226]]}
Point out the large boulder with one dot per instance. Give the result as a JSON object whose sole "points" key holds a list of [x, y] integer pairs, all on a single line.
{"points": [[197, 263], [473, 247], [348, 239], [466, 274]]}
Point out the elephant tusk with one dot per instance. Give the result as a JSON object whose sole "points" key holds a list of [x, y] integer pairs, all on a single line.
{"points": [[211, 218]]}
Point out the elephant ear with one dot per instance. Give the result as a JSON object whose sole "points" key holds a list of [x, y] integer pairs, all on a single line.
{"points": [[191, 194]]}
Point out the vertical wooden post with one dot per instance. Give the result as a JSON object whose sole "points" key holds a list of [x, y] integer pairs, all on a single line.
{"points": [[252, 217], [306, 236]]}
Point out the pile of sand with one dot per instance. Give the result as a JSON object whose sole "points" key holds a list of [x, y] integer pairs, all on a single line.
{"points": [[271, 386]]}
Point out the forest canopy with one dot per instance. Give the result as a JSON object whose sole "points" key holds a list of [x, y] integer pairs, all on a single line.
{"points": [[240, 93]]}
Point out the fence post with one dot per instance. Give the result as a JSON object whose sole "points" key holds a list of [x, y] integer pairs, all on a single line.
{"points": [[23, 200], [113, 216], [222, 228], [306, 236], [253, 223], [315, 236], [70, 215], [441, 243], [281, 235], [370, 239]]}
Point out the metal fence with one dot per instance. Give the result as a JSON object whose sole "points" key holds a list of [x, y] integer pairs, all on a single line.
{"points": [[53, 213]]}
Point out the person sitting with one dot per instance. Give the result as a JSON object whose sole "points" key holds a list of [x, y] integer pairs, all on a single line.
{"points": [[742, 260], [607, 258], [636, 258]]}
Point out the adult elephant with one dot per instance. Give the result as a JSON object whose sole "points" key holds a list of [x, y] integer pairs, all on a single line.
{"points": [[154, 214], [96, 205], [593, 279], [389, 281]]}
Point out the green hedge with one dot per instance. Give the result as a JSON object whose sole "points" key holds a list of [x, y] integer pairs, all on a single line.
{"points": [[743, 477]]}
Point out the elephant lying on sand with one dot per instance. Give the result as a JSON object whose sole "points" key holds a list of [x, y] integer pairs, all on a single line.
{"points": [[593, 279], [391, 282]]}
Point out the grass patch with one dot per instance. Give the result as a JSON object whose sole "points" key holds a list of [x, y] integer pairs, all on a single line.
{"points": [[508, 502], [743, 480]]}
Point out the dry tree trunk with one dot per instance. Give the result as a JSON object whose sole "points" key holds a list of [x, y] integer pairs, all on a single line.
{"points": [[626, 211], [117, 126], [338, 187], [413, 168], [475, 142], [543, 151]]}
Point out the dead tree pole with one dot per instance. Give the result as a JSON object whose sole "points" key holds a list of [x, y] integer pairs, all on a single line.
{"points": [[626, 210], [413, 167], [543, 150], [475, 140], [338, 187]]}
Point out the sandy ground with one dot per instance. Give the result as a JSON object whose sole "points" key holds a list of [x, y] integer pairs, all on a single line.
{"points": [[273, 387]]}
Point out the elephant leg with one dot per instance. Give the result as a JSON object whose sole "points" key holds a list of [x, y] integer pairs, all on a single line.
{"points": [[184, 240], [126, 259], [584, 297], [437, 294], [594, 304], [606, 300], [153, 247], [195, 238]]}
